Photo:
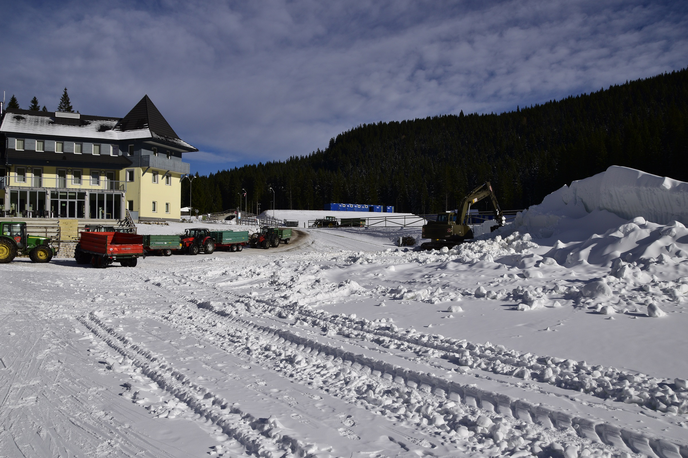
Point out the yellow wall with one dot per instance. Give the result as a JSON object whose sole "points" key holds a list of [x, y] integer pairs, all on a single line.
{"points": [[50, 178], [143, 191]]}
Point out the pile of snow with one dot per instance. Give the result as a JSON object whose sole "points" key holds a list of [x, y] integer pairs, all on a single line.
{"points": [[603, 201]]}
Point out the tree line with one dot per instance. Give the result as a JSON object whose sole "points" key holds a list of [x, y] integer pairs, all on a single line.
{"points": [[429, 165]]}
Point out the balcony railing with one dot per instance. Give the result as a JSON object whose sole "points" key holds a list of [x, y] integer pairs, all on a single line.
{"points": [[85, 183], [162, 163]]}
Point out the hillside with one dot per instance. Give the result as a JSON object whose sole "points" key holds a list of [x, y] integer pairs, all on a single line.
{"points": [[428, 165]]}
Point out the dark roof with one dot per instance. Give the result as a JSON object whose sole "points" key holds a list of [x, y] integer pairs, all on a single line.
{"points": [[146, 115]]}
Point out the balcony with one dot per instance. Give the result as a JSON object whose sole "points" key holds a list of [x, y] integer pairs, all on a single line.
{"points": [[161, 163], [85, 183]]}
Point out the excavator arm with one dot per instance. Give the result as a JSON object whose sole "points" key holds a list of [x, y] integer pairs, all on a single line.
{"points": [[481, 192]]}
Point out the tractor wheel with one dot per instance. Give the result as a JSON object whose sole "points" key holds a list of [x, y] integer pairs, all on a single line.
{"points": [[8, 250], [209, 247], [275, 242], [193, 249], [265, 244], [41, 254]]}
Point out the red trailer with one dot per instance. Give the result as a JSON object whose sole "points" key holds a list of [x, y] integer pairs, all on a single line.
{"points": [[103, 248]]}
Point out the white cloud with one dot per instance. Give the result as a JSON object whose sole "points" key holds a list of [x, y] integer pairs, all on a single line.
{"points": [[260, 81]]}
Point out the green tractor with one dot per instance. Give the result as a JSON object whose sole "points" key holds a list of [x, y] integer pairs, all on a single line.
{"points": [[15, 241]]}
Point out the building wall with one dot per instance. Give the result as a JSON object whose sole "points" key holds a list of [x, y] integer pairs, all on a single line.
{"points": [[144, 191], [141, 189]]}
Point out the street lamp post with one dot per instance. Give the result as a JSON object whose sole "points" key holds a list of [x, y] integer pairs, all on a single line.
{"points": [[190, 178], [273, 202], [245, 198]]}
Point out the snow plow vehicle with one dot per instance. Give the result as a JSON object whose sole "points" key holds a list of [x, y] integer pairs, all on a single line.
{"points": [[451, 228], [15, 241], [103, 248], [270, 237]]}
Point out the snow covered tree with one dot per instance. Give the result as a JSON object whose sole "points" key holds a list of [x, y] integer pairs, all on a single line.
{"points": [[13, 103], [34, 105], [65, 104]]}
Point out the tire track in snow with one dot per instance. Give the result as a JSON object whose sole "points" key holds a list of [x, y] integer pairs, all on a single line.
{"points": [[471, 417], [233, 422], [485, 357]]}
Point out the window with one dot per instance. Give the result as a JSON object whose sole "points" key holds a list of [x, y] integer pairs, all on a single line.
{"points": [[40, 146], [61, 178], [19, 144], [77, 148], [130, 205], [155, 151], [96, 150], [167, 207], [130, 151], [76, 177], [95, 178], [155, 207], [130, 175], [20, 175], [59, 147], [155, 177], [168, 154], [168, 179]]}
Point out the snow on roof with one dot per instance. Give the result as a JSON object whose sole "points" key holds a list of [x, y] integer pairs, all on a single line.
{"points": [[96, 129]]}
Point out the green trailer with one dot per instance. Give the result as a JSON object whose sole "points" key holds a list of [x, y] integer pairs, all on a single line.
{"points": [[230, 240], [353, 222], [161, 244]]}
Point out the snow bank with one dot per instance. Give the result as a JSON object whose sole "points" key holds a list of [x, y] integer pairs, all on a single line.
{"points": [[617, 195]]}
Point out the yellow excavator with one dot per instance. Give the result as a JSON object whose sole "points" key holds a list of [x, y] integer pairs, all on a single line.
{"points": [[451, 228]]}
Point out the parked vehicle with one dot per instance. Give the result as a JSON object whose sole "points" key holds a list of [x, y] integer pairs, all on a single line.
{"points": [[270, 236], [230, 240], [353, 222], [15, 241], [451, 228], [161, 244], [196, 240], [103, 248], [328, 221]]}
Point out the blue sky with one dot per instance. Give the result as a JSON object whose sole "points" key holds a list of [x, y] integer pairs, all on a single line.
{"points": [[257, 81]]}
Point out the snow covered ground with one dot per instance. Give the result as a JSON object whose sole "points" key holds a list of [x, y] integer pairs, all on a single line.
{"points": [[562, 334]]}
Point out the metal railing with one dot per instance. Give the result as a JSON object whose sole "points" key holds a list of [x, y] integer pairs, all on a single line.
{"points": [[85, 183]]}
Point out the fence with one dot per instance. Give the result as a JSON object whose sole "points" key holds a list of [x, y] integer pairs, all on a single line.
{"points": [[419, 220]]}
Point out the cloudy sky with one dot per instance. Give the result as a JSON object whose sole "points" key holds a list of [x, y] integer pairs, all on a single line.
{"points": [[257, 81]]}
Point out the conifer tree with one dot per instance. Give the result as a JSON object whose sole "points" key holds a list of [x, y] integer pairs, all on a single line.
{"points": [[34, 105], [65, 104], [13, 103]]}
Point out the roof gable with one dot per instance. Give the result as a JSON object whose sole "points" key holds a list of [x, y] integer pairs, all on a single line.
{"points": [[146, 115]]}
